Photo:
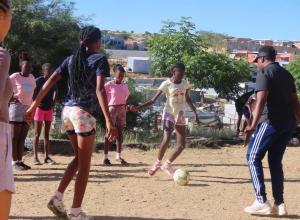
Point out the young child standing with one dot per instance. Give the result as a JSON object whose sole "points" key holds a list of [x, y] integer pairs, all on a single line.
{"points": [[23, 83], [44, 114], [176, 90], [117, 93]]}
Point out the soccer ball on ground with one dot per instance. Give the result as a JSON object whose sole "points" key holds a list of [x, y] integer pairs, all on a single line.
{"points": [[181, 177]]}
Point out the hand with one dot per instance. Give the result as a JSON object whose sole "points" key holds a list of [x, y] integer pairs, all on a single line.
{"points": [[111, 131], [29, 114], [197, 120], [133, 108], [250, 129]]}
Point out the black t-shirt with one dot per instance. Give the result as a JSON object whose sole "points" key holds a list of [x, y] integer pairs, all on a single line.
{"points": [[280, 85], [47, 102], [240, 103], [97, 66]]}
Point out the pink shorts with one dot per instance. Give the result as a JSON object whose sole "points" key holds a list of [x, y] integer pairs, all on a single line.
{"points": [[118, 115], [43, 115]]}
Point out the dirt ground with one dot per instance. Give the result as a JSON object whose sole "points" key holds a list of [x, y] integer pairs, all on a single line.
{"points": [[219, 187]]}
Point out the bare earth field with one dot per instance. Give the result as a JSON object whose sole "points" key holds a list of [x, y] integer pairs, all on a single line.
{"points": [[219, 187]]}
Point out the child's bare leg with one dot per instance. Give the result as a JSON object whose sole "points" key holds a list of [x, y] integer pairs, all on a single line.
{"points": [[180, 145], [168, 127], [180, 142]]}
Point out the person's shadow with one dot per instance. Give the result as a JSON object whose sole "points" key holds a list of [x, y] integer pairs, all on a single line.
{"points": [[96, 218], [283, 217]]}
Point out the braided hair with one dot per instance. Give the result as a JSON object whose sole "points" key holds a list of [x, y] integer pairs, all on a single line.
{"points": [[79, 65], [4, 5]]}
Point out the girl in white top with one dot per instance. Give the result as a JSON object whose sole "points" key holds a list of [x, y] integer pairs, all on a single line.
{"points": [[176, 90]]}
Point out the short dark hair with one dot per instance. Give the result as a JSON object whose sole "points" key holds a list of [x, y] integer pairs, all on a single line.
{"points": [[45, 65], [178, 65], [119, 67], [24, 56]]}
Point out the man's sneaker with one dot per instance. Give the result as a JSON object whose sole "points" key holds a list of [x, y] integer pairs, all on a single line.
{"points": [[26, 167], [279, 210], [258, 208], [57, 207], [155, 167], [168, 169], [106, 162], [49, 160], [18, 167], [80, 216], [36, 161], [121, 161]]}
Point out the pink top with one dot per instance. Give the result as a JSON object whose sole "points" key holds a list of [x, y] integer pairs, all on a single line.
{"points": [[23, 87], [117, 94]]}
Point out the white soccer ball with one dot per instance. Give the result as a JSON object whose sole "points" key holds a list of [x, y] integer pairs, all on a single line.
{"points": [[181, 177]]}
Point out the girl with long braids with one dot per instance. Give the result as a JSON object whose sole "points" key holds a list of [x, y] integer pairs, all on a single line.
{"points": [[87, 70], [6, 91]]}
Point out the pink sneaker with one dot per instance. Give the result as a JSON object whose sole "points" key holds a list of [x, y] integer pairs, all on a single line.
{"points": [[168, 169], [152, 170]]}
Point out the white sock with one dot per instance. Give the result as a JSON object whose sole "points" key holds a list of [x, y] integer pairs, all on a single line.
{"points": [[14, 162], [59, 195], [168, 162], [75, 211], [118, 156], [105, 156]]}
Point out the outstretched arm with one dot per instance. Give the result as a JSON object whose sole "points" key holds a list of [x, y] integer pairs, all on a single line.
{"points": [[148, 103], [191, 105]]}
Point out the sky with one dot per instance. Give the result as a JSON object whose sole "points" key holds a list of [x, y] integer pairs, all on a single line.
{"points": [[257, 19]]}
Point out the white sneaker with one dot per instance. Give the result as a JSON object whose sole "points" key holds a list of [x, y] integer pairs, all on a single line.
{"points": [[57, 207], [279, 210], [258, 208], [80, 216]]}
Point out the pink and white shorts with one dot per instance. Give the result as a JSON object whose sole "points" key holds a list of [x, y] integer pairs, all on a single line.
{"points": [[76, 119], [118, 115]]}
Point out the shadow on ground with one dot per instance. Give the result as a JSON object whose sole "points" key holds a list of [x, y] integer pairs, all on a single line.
{"points": [[97, 218]]}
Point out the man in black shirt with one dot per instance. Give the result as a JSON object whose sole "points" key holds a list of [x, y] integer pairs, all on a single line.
{"points": [[274, 87]]}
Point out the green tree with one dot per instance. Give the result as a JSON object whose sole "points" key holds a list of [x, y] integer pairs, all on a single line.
{"points": [[294, 68], [181, 42], [217, 42], [47, 29], [134, 99]]}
